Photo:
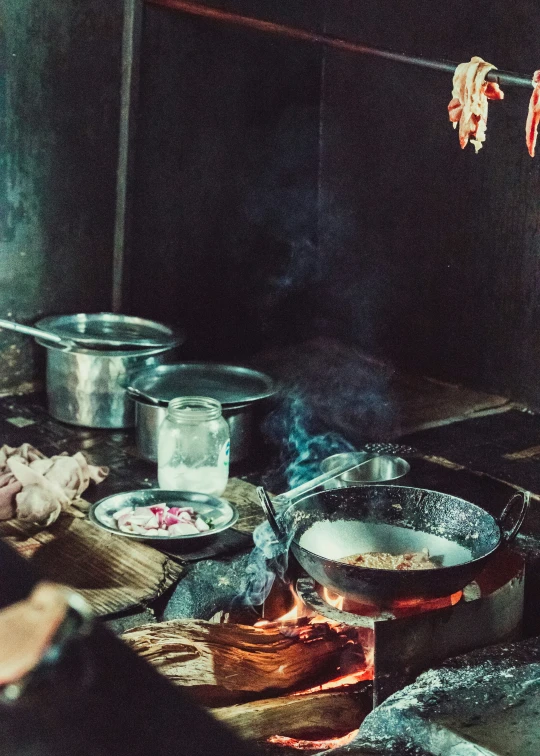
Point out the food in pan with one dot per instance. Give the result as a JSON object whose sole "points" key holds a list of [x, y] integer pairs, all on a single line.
{"points": [[533, 117], [161, 520], [380, 560], [469, 103]]}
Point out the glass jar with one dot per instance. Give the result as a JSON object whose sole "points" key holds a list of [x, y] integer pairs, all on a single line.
{"points": [[193, 446]]}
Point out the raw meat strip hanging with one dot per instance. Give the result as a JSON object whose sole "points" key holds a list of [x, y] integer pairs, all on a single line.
{"points": [[469, 104], [533, 118]]}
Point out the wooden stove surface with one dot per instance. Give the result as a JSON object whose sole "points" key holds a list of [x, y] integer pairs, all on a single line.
{"points": [[113, 574], [244, 496]]}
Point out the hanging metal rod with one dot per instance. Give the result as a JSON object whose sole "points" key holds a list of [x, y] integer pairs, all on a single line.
{"points": [[504, 78]]}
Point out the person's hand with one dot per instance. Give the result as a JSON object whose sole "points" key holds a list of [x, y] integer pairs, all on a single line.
{"points": [[27, 629]]}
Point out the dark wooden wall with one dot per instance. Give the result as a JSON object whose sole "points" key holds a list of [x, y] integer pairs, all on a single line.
{"points": [[59, 110], [226, 181], [283, 189]]}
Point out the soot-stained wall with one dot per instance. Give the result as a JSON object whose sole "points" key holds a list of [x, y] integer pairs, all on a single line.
{"points": [[283, 189], [60, 68], [225, 184]]}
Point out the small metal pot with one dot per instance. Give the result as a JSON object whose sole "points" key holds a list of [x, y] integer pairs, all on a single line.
{"points": [[241, 392], [384, 468], [88, 387], [148, 418], [89, 370]]}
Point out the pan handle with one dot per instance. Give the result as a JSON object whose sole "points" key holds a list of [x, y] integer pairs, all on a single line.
{"points": [[524, 497], [270, 512]]}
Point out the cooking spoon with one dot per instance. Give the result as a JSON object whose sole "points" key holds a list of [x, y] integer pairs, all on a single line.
{"points": [[286, 498]]}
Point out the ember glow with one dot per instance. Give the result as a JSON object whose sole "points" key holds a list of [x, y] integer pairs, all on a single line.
{"points": [[298, 610], [365, 673], [289, 616], [312, 745], [413, 606], [356, 663], [399, 608], [356, 667], [362, 662]]}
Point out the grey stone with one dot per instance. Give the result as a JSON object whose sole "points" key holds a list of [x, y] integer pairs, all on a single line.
{"points": [[120, 623], [486, 702], [208, 587]]}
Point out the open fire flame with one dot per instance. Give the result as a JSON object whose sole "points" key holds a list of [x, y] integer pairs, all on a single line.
{"points": [[364, 672], [299, 610]]}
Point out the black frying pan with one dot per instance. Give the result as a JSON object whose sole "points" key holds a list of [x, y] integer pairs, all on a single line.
{"points": [[324, 527]]}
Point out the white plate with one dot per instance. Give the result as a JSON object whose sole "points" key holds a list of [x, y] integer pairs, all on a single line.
{"points": [[220, 511]]}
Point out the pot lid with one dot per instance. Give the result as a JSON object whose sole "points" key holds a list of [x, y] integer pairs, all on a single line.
{"points": [[107, 329], [229, 384]]}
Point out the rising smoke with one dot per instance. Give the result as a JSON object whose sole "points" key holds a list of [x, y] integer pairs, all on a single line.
{"points": [[267, 561], [302, 438], [303, 445]]}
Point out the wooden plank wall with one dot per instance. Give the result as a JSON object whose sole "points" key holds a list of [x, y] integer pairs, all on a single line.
{"points": [[284, 190]]}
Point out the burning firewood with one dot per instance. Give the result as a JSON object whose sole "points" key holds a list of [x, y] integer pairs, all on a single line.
{"points": [[296, 715], [224, 664]]}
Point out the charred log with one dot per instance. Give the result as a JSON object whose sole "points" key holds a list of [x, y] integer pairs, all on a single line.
{"points": [[224, 664], [314, 715]]}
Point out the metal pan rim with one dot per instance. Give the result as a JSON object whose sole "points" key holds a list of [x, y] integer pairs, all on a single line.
{"points": [[265, 380], [372, 570]]}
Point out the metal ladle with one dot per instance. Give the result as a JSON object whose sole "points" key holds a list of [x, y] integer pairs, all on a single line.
{"points": [[309, 485]]}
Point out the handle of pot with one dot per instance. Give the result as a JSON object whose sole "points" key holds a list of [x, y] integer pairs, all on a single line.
{"points": [[137, 395], [310, 485], [270, 512], [37, 333], [524, 497]]}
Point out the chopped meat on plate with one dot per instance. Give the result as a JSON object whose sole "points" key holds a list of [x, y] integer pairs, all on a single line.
{"points": [[160, 520]]}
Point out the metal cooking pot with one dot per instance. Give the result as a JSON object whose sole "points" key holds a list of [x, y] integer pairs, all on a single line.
{"points": [[325, 527], [86, 385], [240, 391], [148, 418]]}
